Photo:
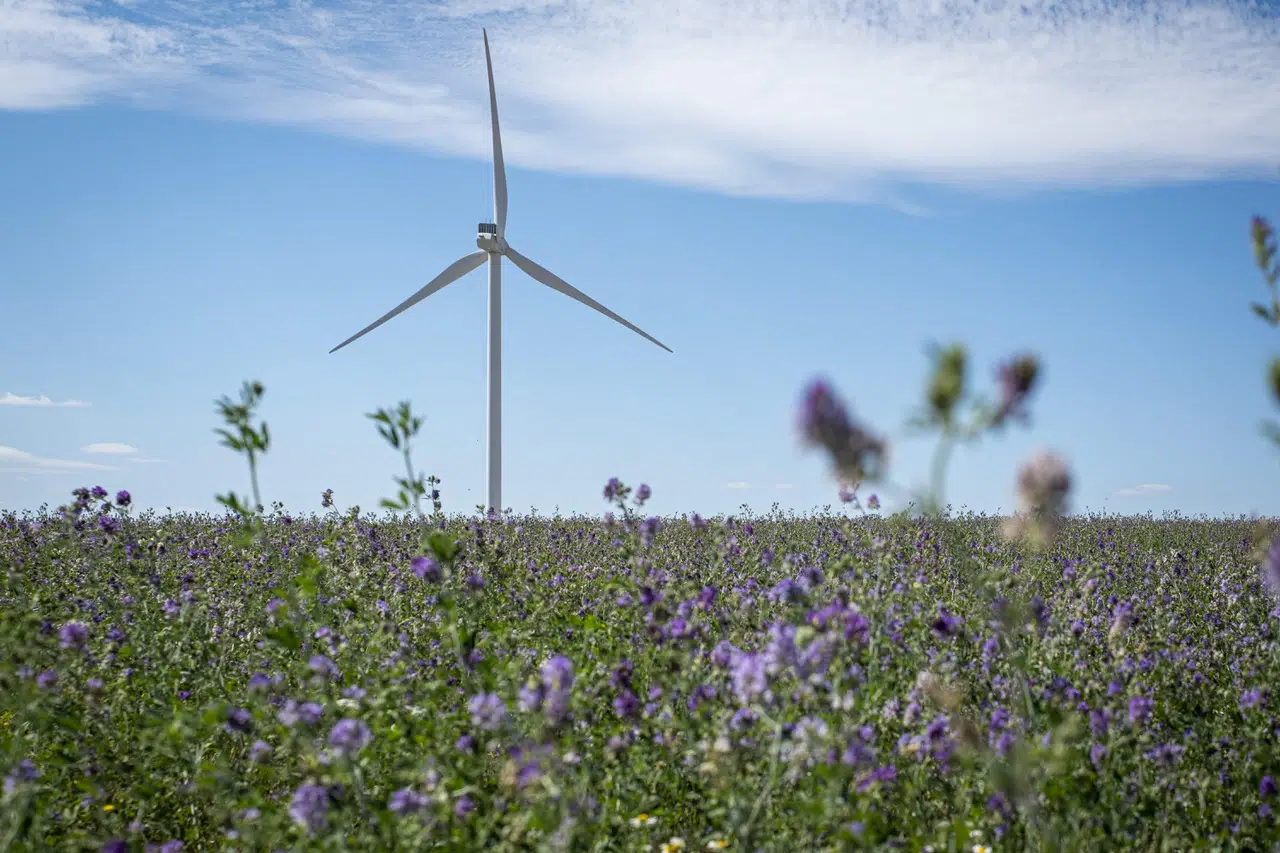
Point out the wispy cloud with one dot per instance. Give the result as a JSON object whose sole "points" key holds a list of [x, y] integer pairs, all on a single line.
{"points": [[797, 98], [14, 461], [737, 484], [125, 451], [782, 486], [111, 447], [1145, 489], [9, 398]]}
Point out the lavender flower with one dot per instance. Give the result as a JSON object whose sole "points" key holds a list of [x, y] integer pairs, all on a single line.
{"points": [[310, 807], [323, 667], [406, 801], [1140, 708], [73, 635], [487, 712], [426, 568], [750, 680], [463, 806], [349, 736]]}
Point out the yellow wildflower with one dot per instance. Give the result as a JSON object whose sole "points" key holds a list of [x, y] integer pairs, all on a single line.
{"points": [[108, 807], [643, 819]]}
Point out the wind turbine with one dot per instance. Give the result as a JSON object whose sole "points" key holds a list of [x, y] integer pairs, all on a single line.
{"points": [[493, 246]]}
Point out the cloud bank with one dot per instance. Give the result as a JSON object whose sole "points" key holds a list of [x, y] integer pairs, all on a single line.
{"points": [[15, 461], [9, 398], [792, 98]]}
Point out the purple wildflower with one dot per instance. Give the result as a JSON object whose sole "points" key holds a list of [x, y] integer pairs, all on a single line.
{"points": [[463, 806], [947, 624], [425, 568], [322, 666], [487, 711], [348, 736], [259, 752], [612, 488], [407, 801], [626, 704], [825, 422], [73, 635], [239, 720], [310, 807], [1140, 708], [749, 677], [880, 776]]}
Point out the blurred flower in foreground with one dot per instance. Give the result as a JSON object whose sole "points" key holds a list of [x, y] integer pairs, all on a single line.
{"points": [[1043, 484], [824, 422], [1017, 379]]}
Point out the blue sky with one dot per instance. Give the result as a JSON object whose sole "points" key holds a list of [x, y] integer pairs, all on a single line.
{"points": [[200, 193]]}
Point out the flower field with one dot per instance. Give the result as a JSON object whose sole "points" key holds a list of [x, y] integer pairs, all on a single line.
{"points": [[340, 682], [414, 681]]}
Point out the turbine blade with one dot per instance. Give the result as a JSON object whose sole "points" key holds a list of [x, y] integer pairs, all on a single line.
{"points": [[553, 281], [452, 273], [499, 170]]}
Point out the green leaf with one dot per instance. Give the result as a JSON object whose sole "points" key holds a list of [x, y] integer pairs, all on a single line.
{"points": [[444, 546], [286, 636]]}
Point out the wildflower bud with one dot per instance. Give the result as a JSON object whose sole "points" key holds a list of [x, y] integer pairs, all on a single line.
{"points": [[1017, 379], [947, 385], [1043, 484], [1121, 621], [1263, 238], [825, 422]]}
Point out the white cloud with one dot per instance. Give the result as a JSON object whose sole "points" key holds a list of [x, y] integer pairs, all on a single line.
{"points": [[1145, 489], [144, 460], [737, 484], [796, 98], [112, 447], [783, 486], [14, 461], [9, 398]]}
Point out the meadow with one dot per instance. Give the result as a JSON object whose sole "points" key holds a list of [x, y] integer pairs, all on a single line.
{"points": [[412, 680]]}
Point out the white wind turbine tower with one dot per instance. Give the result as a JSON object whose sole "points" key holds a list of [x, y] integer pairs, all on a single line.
{"points": [[493, 245]]}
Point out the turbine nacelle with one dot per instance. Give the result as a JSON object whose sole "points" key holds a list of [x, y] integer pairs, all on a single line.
{"points": [[489, 240]]}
